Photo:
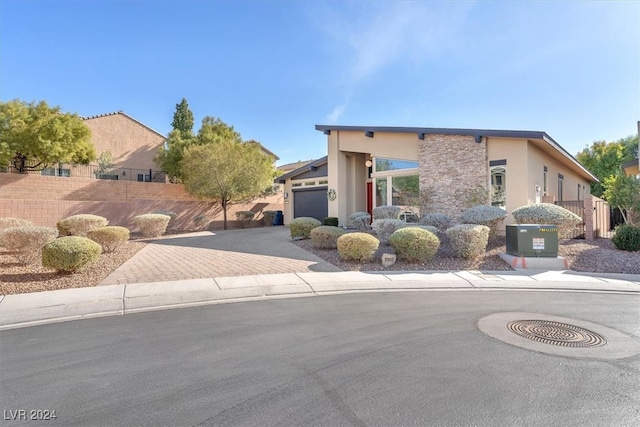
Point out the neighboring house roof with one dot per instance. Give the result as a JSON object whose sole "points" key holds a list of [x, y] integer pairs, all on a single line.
{"points": [[477, 133], [295, 165], [309, 166], [125, 115], [264, 149], [631, 167]]}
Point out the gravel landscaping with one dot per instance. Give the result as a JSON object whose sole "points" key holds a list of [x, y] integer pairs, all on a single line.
{"points": [[599, 256]]}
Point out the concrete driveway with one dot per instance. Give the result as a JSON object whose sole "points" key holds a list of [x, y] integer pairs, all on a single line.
{"points": [[218, 254]]}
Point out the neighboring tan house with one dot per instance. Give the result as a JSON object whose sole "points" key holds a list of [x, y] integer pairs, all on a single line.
{"points": [[378, 166]]}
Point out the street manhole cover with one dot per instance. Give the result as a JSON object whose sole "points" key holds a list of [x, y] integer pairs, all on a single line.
{"points": [[556, 333], [559, 336]]}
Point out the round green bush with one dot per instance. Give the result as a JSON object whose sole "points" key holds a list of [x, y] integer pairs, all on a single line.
{"points": [[547, 213], [326, 236], [357, 246], [627, 237], [70, 254], [110, 237], [468, 241], [302, 226], [330, 220], [491, 216], [414, 244], [152, 225], [78, 225]]}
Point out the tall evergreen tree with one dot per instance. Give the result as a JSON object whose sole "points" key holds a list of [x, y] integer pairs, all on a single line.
{"points": [[183, 119]]}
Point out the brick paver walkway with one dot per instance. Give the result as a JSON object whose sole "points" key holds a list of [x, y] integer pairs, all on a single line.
{"points": [[217, 254]]}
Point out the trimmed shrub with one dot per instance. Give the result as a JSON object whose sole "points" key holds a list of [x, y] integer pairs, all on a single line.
{"points": [[429, 228], [468, 241], [357, 246], [302, 226], [326, 236], [627, 237], [414, 244], [70, 254], [361, 220], [268, 217], [330, 220], [491, 216], [26, 243], [385, 227], [11, 223], [78, 225], [201, 221], [244, 218], [170, 214], [152, 225], [386, 212], [109, 238], [547, 213], [438, 220]]}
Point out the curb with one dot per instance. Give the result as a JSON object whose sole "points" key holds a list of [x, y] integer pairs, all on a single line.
{"points": [[22, 310]]}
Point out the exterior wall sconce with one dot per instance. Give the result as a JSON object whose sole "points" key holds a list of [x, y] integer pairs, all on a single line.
{"points": [[285, 195], [368, 134], [478, 138], [368, 163]]}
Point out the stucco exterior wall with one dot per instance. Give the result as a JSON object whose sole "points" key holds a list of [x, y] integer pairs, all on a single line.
{"points": [[131, 144], [45, 200], [515, 152], [448, 163]]}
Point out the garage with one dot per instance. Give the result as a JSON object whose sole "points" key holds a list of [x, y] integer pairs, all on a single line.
{"points": [[310, 202]]}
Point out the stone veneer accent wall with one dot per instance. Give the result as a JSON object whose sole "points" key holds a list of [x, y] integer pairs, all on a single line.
{"points": [[448, 163]]}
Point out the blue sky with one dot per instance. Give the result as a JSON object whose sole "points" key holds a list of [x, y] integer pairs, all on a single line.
{"points": [[274, 69]]}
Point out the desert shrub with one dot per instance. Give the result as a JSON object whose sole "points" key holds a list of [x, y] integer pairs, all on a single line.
{"points": [[385, 227], [414, 243], [78, 225], [302, 226], [12, 222], [326, 236], [268, 217], [357, 246], [429, 228], [152, 225], [244, 218], [170, 214], [547, 213], [627, 237], [25, 243], [110, 237], [201, 221], [468, 241], [491, 216], [70, 254], [330, 220], [438, 220], [386, 212], [361, 220]]}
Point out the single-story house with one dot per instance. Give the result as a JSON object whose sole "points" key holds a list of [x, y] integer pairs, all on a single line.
{"points": [[632, 168], [369, 166]]}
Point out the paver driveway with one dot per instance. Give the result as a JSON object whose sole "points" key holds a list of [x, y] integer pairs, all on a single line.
{"points": [[217, 254]]}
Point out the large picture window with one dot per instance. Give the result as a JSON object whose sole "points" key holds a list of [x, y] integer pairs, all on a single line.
{"points": [[396, 182]]}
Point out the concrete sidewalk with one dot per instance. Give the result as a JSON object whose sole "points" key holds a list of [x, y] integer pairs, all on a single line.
{"points": [[69, 304]]}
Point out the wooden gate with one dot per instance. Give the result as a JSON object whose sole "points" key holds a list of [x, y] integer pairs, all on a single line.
{"points": [[577, 207]]}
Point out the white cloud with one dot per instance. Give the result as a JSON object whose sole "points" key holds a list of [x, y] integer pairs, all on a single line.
{"points": [[335, 114], [372, 35]]}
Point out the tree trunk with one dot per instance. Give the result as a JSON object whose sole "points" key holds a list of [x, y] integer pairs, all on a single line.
{"points": [[224, 211]]}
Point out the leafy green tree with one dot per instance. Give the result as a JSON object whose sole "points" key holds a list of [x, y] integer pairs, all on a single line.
{"points": [[183, 119], [605, 159], [624, 192], [34, 136], [225, 170]]}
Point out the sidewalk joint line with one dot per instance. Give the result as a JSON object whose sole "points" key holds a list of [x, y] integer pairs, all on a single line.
{"points": [[465, 279]]}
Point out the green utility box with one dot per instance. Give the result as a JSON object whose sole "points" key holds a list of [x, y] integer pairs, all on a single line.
{"points": [[532, 240]]}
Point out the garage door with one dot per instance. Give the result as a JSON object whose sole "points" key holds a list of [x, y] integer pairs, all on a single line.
{"points": [[310, 202]]}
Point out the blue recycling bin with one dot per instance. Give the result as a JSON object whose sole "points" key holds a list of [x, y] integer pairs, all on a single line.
{"points": [[278, 219]]}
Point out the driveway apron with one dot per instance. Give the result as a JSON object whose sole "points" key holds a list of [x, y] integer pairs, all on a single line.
{"points": [[217, 254]]}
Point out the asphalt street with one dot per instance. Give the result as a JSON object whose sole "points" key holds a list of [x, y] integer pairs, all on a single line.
{"points": [[378, 359]]}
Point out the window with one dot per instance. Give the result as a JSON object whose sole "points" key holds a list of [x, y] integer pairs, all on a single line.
{"points": [[309, 183], [579, 198], [323, 182], [382, 165], [296, 184], [560, 185], [544, 181], [56, 172], [499, 186]]}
